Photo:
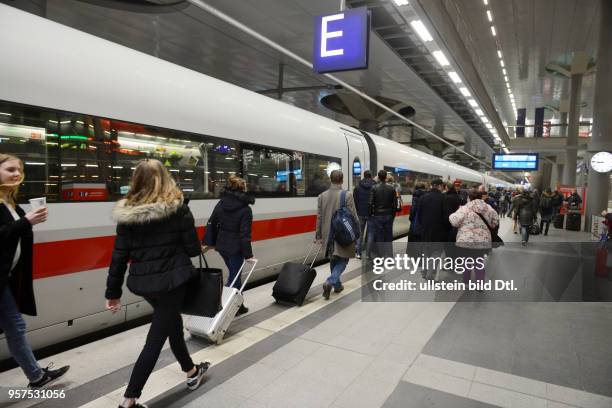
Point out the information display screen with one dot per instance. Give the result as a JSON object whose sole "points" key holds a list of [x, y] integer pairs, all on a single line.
{"points": [[514, 162]]}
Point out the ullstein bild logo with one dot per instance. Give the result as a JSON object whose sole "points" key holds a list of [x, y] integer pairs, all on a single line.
{"points": [[341, 41]]}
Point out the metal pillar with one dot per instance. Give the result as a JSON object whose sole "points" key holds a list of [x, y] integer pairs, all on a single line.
{"points": [[563, 129], [569, 174], [598, 189]]}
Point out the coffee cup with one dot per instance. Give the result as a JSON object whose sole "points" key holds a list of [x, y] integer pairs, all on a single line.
{"points": [[36, 203]]}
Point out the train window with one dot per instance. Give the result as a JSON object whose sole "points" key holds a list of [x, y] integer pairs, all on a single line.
{"points": [[271, 172], [356, 172], [28, 134], [317, 170], [408, 179]]}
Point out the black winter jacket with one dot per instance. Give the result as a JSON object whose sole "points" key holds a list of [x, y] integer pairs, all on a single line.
{"points": [[382, 199], [361, 195], [431, 217], [234, 217], [415, 228], [451, 203], [159, 240], [20, 281]]}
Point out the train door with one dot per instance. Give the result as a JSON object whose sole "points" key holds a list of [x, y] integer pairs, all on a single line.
{"points": [[358, 160]]}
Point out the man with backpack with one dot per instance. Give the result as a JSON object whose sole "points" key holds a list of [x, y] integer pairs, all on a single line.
{"points": [[361, 195], [337, 230]]}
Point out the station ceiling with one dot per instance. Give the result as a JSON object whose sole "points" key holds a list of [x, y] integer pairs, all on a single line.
{"points": [[530, 33]]}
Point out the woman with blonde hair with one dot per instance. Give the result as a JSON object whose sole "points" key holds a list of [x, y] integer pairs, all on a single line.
{"points": [[234, 217], [156, 235], [16, 281]]}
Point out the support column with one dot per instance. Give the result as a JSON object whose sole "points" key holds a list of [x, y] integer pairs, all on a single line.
{"points": [[571, 154], [598, 189], [560, 170], [563, 132]]}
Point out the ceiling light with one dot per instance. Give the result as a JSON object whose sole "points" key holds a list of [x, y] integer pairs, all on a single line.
{"points": [[508, 86], [486, 2], [453, 75], [472, 102], [506, 78], [493, 31], [504, 71], [499, 54], [479, 112], [489, 15], [419, 27], [401, 2], [484, 119], [465, 91], [489, 126], [501, 62], [439, 55]]}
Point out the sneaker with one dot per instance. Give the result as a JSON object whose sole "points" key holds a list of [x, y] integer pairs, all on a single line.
{"points": [[339, 289], [326, 290], [194, 382], [242, 310], [136, 405], [358, 256], [48, 377]]}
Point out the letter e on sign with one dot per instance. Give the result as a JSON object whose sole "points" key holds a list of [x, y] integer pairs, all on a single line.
{"points": [[341, 41]]}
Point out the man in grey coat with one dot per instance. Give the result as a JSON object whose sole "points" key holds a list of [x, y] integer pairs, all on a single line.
{"points": [[328, 203]]}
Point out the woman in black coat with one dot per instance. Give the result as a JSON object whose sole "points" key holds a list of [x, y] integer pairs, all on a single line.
{"points": [[232, 219], [16, 282], [156, 235]]}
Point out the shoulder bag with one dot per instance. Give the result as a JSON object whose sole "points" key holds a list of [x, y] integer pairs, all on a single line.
{"points": [[204, 292], [496, 241]]}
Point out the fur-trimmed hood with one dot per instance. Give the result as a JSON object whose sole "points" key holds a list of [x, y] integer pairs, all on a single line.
{"points": [[144, 213]]}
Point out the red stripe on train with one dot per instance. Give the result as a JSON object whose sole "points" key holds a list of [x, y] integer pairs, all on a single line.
{"points": [[76, 255]]}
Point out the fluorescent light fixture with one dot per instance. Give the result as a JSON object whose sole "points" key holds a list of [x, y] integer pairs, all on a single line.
{"points": [[91, 165], [486, 2], [501, 62], [479, 112], [117, 167], [489, 15], [68, 164], [465, 91], [472, 102], [489, 126], [188, 171], [499, 54], [421, 30], [401, 2], [506, 150], [506, 78], [484, 119], [504, 71], [508, 86], [493, 31], [34, 164], [453, 75], [174, 170], [6, 114], [441, 58]]}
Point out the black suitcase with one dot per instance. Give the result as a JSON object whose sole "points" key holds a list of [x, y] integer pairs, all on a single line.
{"points": [[574, 221], [559, 221], [294, 281]]}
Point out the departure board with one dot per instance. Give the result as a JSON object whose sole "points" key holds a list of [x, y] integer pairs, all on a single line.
{"points": [[514, 162]]}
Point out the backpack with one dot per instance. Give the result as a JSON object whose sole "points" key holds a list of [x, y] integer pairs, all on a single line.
{"points": [[344, 229], [546, 203]]}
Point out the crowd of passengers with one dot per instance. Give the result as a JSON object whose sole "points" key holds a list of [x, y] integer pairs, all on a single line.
{"points": [[156, 240]]}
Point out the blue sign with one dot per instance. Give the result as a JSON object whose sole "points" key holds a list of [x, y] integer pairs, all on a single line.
{"points": [[341, 41], [356, 168], [514, 162]]}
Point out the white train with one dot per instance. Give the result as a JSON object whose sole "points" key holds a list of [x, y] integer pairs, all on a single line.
{"points": [[81, 111]]}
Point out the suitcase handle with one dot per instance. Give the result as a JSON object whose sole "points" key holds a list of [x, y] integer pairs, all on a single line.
{"points": [[254, 261], [315, 257]]}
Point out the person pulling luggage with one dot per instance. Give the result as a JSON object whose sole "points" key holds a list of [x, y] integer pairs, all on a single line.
{"points": [[229, 230], [328, 204]]}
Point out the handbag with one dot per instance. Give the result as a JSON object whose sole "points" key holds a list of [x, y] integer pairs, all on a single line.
{"points": [[203, 296], [496, 241], [212, 229]]}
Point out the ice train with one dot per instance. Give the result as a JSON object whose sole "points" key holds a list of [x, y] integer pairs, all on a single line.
{"points": [[81, 111]]}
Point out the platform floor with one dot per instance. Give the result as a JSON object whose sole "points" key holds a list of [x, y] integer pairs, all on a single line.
{"points": [[345, 353]]}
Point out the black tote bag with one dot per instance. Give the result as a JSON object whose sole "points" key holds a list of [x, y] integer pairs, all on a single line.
{"points": [[203, 296]]}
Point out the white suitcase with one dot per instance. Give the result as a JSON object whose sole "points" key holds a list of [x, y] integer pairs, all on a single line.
{"points": [[214, 328]]}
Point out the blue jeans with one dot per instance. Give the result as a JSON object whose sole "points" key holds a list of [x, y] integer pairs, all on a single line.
{"points": [[525, 232], [14, 327], [363, 221], [337, 266], [233, 262]]}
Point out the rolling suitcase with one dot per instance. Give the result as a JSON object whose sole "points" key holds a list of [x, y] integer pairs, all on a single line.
{"points": [[559, 220], [573, 222], [214, 328], [294, 280]]}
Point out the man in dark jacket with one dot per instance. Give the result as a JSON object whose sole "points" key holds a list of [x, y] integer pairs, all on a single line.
{"points": [[361, 195], [526, 213], [451, 203], [556, 202], [382, 211], [574, 201], [434, 223]]}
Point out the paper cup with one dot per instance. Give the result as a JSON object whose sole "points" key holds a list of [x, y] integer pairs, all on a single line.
{"points": [[36, 203]]}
